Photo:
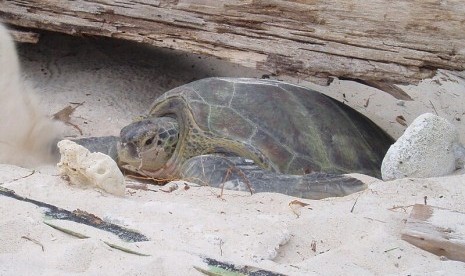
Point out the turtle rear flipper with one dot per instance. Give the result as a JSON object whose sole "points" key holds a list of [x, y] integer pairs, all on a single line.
{"points": [[236, 173]]}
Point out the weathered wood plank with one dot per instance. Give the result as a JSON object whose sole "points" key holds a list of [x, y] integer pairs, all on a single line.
{"points": [[24, 37], [437, 230], [400, 41]]}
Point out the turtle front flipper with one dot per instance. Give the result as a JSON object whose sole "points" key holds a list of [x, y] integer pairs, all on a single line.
{"points": [[236, 173], [106, 144]]}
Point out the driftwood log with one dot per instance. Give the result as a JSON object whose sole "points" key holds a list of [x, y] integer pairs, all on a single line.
{"points": [[437, 230], [24, 37], [400, 41]]}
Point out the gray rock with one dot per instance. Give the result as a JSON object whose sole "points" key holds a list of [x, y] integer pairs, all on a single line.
{"points": [[429, 147]]}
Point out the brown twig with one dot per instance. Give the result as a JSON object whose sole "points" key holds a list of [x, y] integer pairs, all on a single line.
{"points": [[226, 177], [156, 181], [367, 102], [388, 250], [247, 182], [22, 177], [374, 219], [401, 207], [76, 127], [199, 181], [34, 241], [241, 174], [353, 206]]}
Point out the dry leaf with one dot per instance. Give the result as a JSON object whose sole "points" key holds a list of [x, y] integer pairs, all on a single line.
{"points": [[299, 203], [313, 245], [64, 115], [296, 205], [401, 120]]}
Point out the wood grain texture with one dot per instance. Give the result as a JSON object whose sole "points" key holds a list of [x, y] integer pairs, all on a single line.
{"points": [[437, 230], [24, 37], [400, 41]]}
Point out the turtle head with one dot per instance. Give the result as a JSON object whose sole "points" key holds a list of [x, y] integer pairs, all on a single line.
{"points": [[147, 145]]}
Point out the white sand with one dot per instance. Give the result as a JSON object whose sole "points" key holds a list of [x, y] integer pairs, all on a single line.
{"points": [[260, 230]]}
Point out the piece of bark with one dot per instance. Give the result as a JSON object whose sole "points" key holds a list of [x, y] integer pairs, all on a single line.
{"points": [[24, 37], [437, 230], [389, 88], [79, 216], [391, 41], [217, 268]]}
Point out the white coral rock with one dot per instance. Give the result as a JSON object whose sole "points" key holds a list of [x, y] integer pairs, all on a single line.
{"points": [[429, 147], [90, 169]]}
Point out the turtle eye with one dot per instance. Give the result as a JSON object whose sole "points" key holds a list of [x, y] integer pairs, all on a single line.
{"points": [[149, 141]]}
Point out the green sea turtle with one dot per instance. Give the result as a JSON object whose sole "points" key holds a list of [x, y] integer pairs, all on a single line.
{"points": [[264, 135]]}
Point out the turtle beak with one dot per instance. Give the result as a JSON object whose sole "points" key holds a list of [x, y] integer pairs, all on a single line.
{"points": [[128, 149], [128, 157]]}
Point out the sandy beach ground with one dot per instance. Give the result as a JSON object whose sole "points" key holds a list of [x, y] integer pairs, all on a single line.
{"points": [[115, 82]]}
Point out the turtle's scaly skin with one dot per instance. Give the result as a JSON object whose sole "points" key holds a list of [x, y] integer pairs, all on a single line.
{"points": [[152, 141], [281, 127]]}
